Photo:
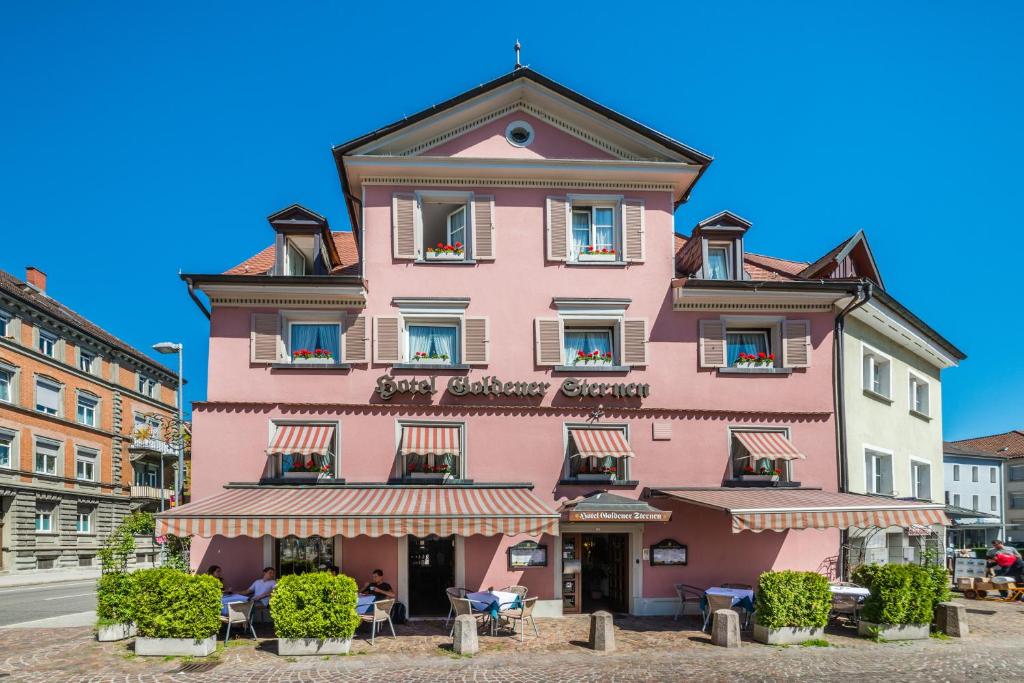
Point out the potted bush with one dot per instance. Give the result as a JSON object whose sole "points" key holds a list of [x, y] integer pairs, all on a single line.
{"points": [[902, 601], [591, 254], [442, 471], [792, 607], [114, 607], [175, 613], [314, 614], [446, 252], [425, 358]]}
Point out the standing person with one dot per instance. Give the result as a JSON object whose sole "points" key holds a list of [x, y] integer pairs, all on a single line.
{"points": [[378, 587], [261, 588]]}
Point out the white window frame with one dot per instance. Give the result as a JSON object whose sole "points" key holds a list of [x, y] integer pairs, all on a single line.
{"points": [[956, 472], [83, 517], [6, 323], [297, 318], [916, 463], [89, 457], [60, 395], [917, 384], [45, 336], [575, 315], [870, 359], [623, 467], [82, 407], [444, 197], [146, 385], [401, 424], [727, 247], [589, 204], [12, 382], [873, 455], [47, 513], [87, 361], [289, 250], [449, 237], [417, 321], [612, 330], [9, 438], [56, 457], [748, 324]]}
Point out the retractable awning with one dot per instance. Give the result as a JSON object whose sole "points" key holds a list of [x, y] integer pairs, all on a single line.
{"points": [[303, 439], [430, 440], [378, 510], [768, 445], [772, 509], [601, 443]]}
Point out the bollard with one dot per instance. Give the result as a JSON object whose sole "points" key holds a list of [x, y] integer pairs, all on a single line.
{"points": [[602, 632], [725, 628], [951, 619], [464, 638]]}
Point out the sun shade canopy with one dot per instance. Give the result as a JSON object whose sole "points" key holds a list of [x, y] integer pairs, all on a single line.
{"points": [[303, 439], [429, 440], [768, 445], [601, 443]]}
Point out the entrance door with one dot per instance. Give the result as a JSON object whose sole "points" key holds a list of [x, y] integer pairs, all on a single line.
{"points": [[605, 575], [431, 571]]}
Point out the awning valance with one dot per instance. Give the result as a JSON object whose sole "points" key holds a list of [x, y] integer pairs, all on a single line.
{"points": [[363, 511], [768, 445], [773, 509], [304, 439], [430, 440], [601, 443]]}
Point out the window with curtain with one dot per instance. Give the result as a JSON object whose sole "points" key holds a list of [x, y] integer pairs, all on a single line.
{"points": [[436, 344], [718, 263], [307, 338], [748, 342], [591, 346], [593, 229], [580, 232]]}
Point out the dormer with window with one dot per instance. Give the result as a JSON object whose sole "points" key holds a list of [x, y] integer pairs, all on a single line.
{"points": [[714, 250], [303, 243]]}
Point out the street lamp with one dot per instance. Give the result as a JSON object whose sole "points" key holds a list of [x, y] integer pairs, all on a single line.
{"points": [[177, 348]]}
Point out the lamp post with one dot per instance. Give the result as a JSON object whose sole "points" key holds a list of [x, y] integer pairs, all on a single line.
{"points": [[176, 348]]}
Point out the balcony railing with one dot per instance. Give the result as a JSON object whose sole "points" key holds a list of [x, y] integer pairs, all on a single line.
{"points": [[151, 492], [150, 446]]}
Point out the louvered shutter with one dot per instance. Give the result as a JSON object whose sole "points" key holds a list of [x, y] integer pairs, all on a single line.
{"points": [[712, 344], [355, 340], [387, 339], [548, 341], [476, 341], [634, 341], [633, 230], [796, 343], [483, 228], [265, 338], [403, 225], [557, 220]]}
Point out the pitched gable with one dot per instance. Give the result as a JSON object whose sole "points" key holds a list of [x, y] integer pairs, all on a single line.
{"points": [[851, 258]]}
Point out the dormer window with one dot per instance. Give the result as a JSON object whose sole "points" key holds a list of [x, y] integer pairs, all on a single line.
{"points": [[295, 262], [719, 261]]}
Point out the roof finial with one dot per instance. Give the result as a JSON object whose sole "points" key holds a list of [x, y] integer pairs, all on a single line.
{"points": [[518, 48]]}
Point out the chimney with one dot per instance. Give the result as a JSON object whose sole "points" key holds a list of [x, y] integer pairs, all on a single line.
{"points": [[36, 278]]}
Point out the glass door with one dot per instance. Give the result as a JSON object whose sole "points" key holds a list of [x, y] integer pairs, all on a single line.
{"points": [[431, 571]]}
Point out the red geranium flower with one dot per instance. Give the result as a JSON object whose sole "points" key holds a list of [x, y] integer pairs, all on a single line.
{"points": [[762, 356]]}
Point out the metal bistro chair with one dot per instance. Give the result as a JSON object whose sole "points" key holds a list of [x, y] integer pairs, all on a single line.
{"points": [[521, 591], [453, 593], [521, 614], [238, 613], [688, 595], [381, 613], [462, 606], [715, 603]]}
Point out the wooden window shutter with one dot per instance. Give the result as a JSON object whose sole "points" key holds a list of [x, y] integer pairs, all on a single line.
{"points": [[712, 344], [633, 230], [403, 225], [387, 339], [265, 338], [356, 340], [476, 341], [796, 344], [634, 341], [483, 228], [557, 220], [548, 340]]}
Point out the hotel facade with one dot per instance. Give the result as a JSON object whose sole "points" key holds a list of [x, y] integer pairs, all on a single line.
{"points": [[516, 370]]}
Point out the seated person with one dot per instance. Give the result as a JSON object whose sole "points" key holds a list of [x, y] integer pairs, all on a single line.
{"points": [[378, 587], [261, 589], [216, 572]]}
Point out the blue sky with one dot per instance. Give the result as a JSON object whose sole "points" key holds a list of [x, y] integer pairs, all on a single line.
{"points": [[137, 140]]}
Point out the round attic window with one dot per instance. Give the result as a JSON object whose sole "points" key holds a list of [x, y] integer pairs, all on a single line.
{"points": [[519, 133]]}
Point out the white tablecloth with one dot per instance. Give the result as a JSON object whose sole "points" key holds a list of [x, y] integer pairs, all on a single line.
{"points": [[850, 590], [737, 594], [483, 600]]}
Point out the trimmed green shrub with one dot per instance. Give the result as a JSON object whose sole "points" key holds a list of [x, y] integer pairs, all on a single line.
{"points": [[169, 603], [797, 599], [318, 606], [114, 598], [902, 593]]}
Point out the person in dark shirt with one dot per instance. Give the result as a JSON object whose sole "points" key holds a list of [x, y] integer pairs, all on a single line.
{"points": [[378, 587]]}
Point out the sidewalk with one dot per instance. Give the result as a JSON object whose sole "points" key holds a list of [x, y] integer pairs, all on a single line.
{"points": [[45, 576]]}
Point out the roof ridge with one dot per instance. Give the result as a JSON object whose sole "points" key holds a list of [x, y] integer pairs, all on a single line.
{"points": [[777, 258]]}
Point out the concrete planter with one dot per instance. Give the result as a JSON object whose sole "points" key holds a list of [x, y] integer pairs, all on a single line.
{"points": [[112, 632], [175, 647], [786, 635], [597, 257], [894, 631], [300, 647]]}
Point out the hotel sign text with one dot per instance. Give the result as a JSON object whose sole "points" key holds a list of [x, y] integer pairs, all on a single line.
{"points": [[573, 387]]}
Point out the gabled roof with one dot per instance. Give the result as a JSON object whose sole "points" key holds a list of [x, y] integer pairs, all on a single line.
{"points": [[297, 216], [724, 218], [950, 448], [1006, 445], [344, 243], [827, 263]]}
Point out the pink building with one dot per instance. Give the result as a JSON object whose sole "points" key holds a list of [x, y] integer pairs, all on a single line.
{"points": [[514, 370]]}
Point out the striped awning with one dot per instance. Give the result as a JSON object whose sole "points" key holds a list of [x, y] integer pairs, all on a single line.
{"points": [[304, 439], [379, 510], [430, 440], [768, 445], [601, 443], [773, 509]]}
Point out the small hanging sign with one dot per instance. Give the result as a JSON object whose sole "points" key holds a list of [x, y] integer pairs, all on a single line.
{"points": [[668, 553], [527, 554]]}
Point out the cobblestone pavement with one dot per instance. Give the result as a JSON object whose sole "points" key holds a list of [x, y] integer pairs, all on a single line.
{"points": [[650, 649]]}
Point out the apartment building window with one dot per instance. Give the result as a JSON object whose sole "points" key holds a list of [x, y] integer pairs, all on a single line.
{"points": [[920, 480], [5, 324], [877, 371], [956, 499], [85, 464], [83, 519], [7, 441], [45, 522], [974, 473], [146, 386], [1017, 501], [444, 225], [974, 503], [747, 343], [146, 474], [316, 338], [956, 472], [7, 375], [46, 456], [432, 450], [878, 470], [86, 361], [48, 396], [1016, 473], [87, 409], [918, 395], [593, 231], [992, 475], [48, 343], [993, 503], [433, 344], [589, 345]]}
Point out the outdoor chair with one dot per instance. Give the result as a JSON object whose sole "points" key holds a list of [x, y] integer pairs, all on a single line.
{"points": [[521, 591], [521, 615], [462, 606], [238, 613], [715, 603], [688, 595], [381, 613], [453, 593]]}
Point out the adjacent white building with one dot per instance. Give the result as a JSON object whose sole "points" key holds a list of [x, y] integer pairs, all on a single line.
{"points": [[974, 496]]}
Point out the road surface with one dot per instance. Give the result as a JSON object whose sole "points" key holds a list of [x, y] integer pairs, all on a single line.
{"points": [[42, 601]]}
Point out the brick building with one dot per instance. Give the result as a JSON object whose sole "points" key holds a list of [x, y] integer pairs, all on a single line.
{"points": [[85, 420]]}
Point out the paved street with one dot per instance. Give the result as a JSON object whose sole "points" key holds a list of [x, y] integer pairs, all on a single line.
{"points": [[656, 649], [29, 603]]}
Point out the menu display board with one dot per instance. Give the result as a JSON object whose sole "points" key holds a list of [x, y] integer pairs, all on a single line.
{"points": [[668, 553], [527, 554]]}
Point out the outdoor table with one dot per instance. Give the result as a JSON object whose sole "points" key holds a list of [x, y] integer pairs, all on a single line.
{"points": [[364, 604], [225, 600], [856, 591], [492, 601], [741, 597]]}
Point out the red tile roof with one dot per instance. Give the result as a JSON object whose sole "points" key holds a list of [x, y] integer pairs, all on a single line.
{"points": [[1012, 441], [261, 263]]}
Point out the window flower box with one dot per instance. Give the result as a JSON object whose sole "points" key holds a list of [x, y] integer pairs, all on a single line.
{"points": [[422, 358], [302, 474], [593, 358], [445, 252], [760, 360], [313, 357], [313, 361], [595, 476], [759, 477], [433, 476], [598, 255]]}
